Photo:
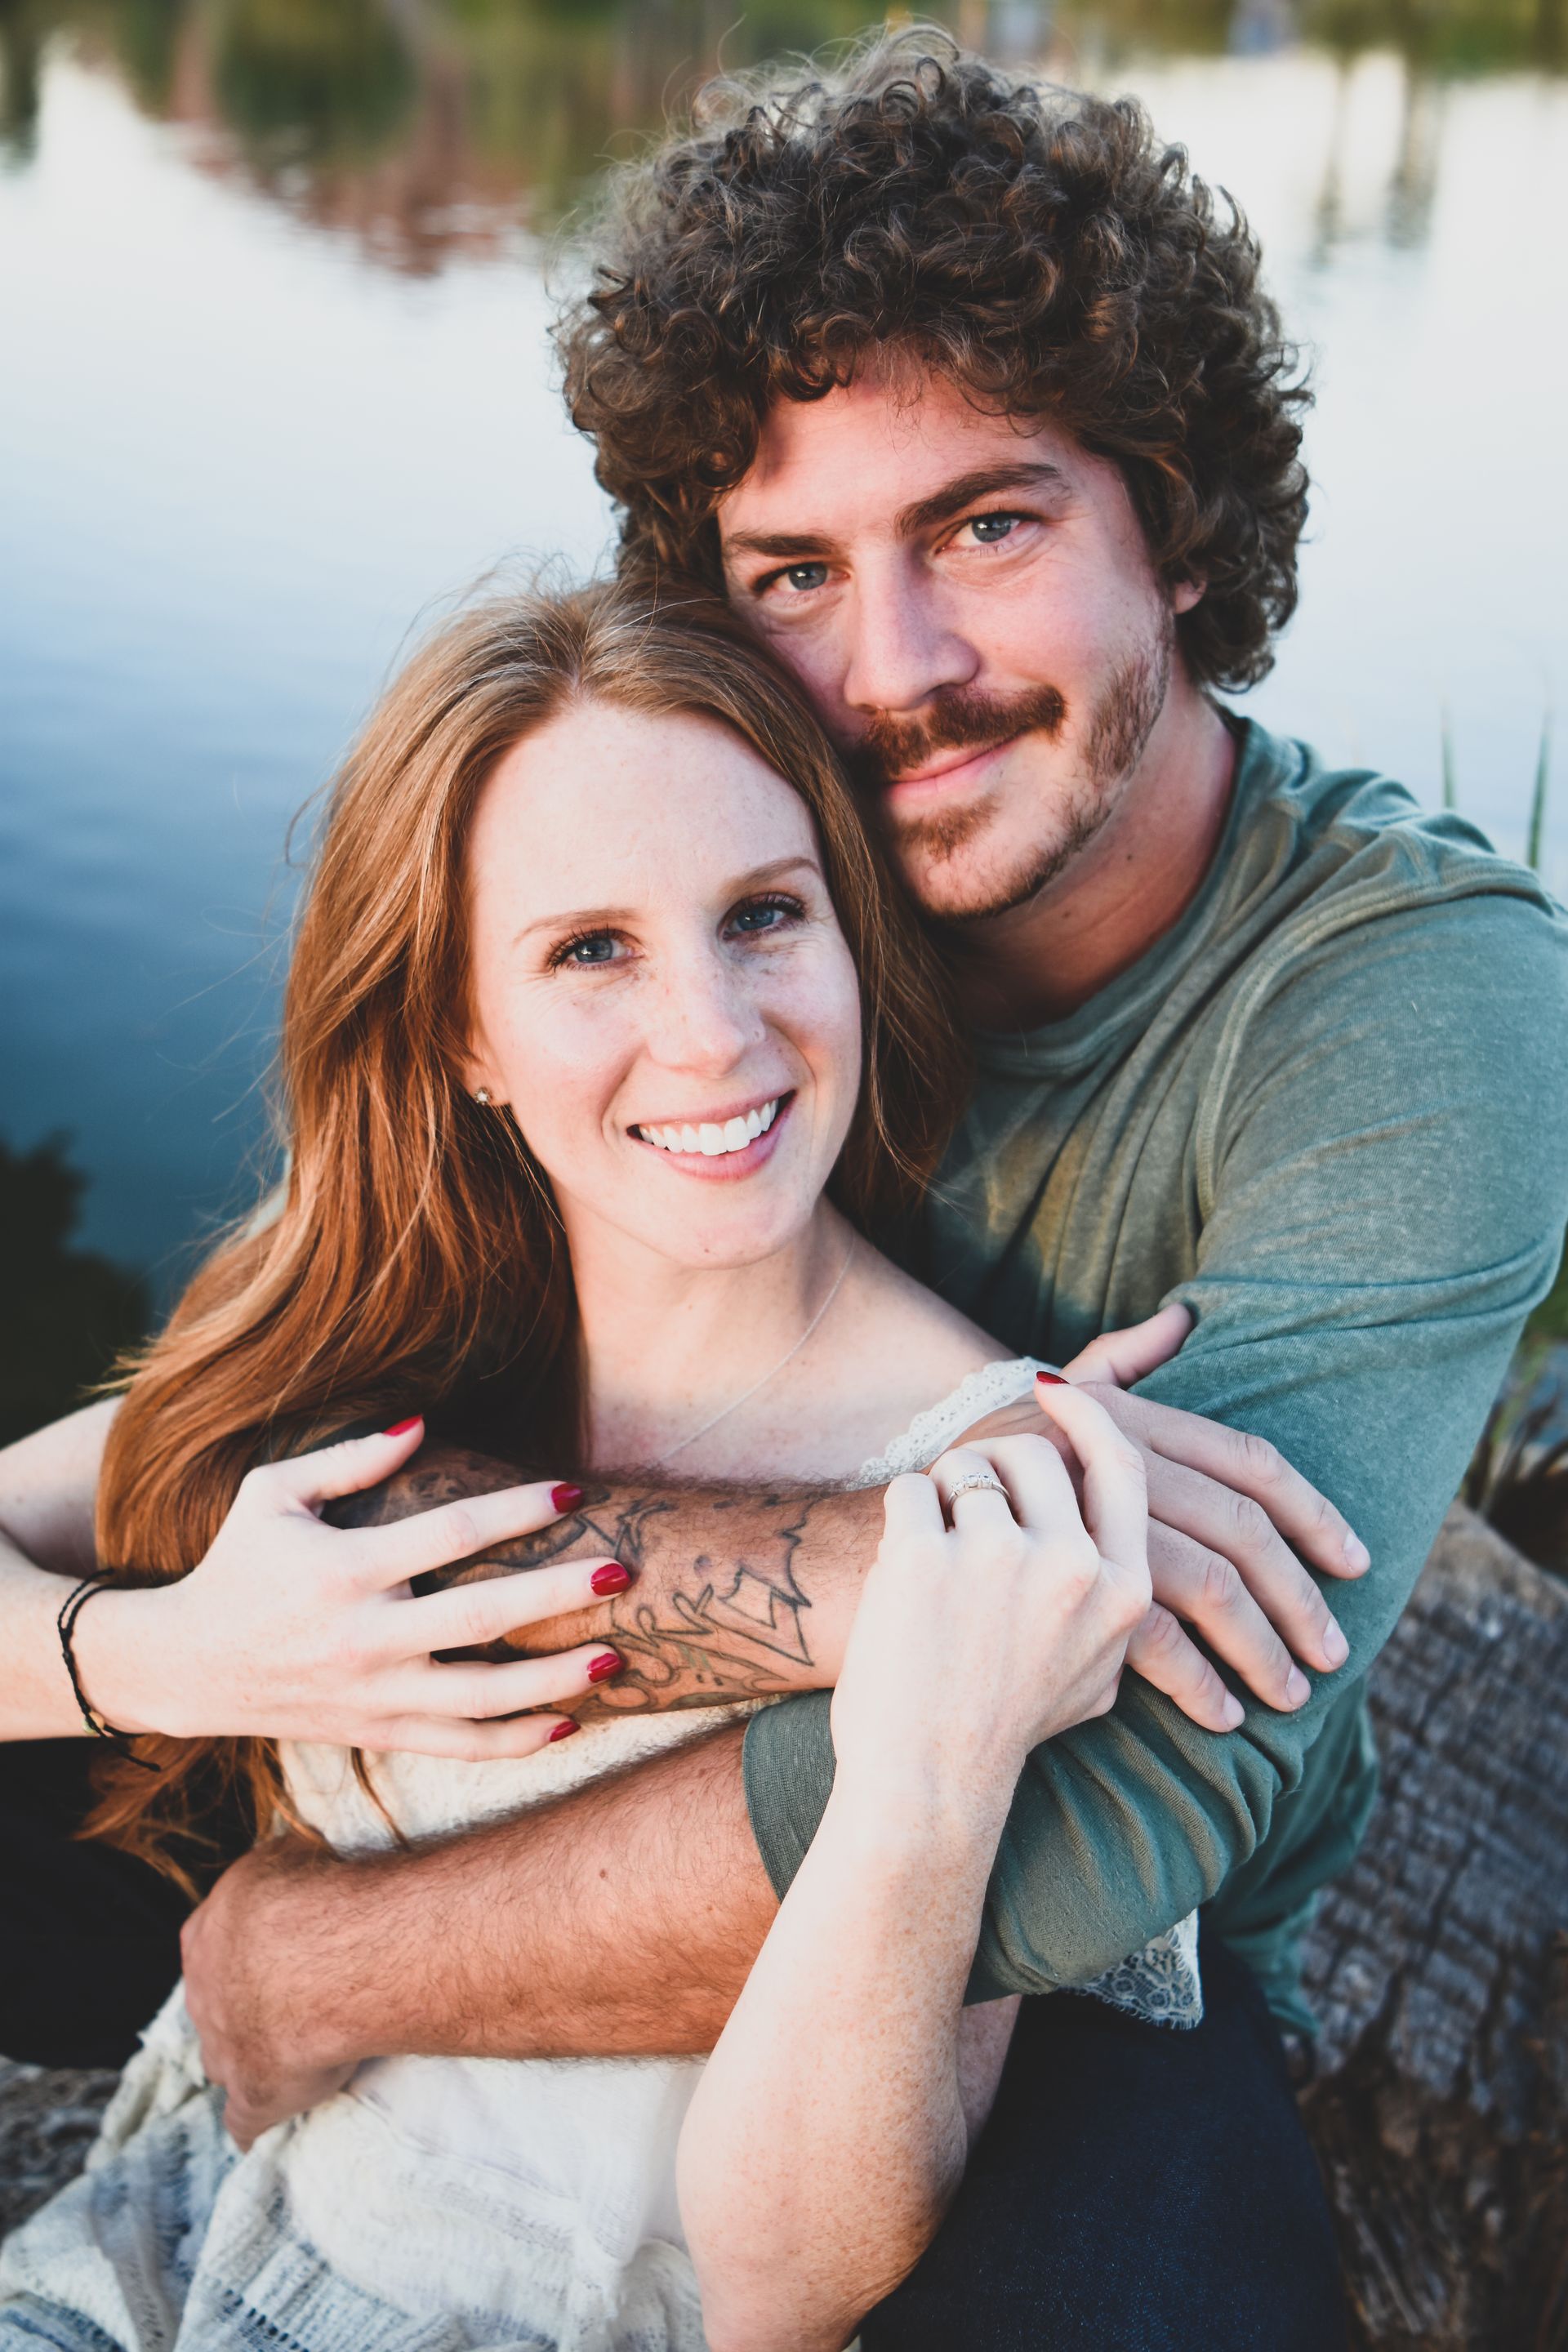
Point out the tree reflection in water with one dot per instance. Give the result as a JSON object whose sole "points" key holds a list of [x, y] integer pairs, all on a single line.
{"points": [[428, 127], [68, 1312]]}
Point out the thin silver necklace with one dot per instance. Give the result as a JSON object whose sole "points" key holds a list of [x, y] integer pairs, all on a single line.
{"points": [[757, 1386]]}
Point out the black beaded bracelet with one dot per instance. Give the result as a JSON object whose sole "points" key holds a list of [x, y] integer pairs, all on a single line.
{"points": [[71, 1608]]}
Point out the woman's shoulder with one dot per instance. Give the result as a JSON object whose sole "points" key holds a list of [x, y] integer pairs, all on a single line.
{"points": [[934, 1372], [933, 1344], [988, 1388]]}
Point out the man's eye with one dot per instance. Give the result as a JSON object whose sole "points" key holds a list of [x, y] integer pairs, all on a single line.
{"points": [[801, 578], [990, 528]]}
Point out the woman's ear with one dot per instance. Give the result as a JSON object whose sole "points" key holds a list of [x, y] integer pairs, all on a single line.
{"points": [[479, 1082]]}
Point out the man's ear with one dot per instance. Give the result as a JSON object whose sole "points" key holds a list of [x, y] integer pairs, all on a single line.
{"points": [[1185, 593]]}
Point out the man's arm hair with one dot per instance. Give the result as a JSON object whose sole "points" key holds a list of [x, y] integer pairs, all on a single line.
{"points": [[736, 1594], [620, 1919]]}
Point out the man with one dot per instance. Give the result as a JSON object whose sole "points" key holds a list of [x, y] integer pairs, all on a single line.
{"points": [[974, 407]]}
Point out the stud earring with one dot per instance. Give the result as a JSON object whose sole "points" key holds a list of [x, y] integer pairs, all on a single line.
{"points": [[482, 1095]]}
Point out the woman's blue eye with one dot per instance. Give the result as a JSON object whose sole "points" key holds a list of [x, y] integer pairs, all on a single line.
{"points": [[598, 948], [767, 916]]}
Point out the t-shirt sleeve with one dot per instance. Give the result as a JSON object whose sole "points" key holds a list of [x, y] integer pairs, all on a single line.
{"points": [[1380, 1176]]}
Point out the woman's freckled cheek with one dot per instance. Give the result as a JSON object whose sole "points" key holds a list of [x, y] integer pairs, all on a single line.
{"points": [[565, 1061]]}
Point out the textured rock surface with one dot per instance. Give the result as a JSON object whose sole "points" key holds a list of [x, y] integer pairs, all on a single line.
{"points": [[47, 2118], [1438, 1968]]}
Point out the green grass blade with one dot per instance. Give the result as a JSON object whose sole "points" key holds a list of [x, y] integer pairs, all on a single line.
{"points": [[1538, 799]]}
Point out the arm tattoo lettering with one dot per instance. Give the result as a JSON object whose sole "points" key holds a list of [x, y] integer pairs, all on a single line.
{"points": [[696, 1629]]}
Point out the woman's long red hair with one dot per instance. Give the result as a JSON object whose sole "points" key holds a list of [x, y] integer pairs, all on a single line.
{"points": [[417, 1246]]}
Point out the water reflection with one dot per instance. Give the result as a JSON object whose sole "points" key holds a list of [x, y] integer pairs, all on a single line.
{"points": [[69, 1311], [432, 127], [276, 373]]}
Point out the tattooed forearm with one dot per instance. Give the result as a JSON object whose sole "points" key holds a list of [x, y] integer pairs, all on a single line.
{"points": [[734, 1595]]}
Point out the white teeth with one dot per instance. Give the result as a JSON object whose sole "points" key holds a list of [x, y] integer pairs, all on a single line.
{"points": [[711, 1141]]}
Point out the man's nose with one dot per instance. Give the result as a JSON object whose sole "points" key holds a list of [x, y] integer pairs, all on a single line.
{"points": [[902, 648]]}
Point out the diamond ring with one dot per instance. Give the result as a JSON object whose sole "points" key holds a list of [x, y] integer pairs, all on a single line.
{"points": [[973, 1480]]}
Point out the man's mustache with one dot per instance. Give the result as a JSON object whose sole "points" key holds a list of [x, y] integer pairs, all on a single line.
{"points": [[959, 718]]}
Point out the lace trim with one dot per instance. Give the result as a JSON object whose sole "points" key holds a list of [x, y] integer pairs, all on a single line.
{"points": [[1160, 1984], [932, 1431]]}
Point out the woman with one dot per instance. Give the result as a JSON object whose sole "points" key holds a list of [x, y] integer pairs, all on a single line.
{"points": [[606, 1054]]}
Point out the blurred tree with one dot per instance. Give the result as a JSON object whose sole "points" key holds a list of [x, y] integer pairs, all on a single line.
{"points": [[146, 38], [66, 1313], [23, 24], [312, 81]]}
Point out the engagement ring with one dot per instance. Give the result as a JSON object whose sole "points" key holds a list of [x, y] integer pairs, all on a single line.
{"points": [[977, 1478]]}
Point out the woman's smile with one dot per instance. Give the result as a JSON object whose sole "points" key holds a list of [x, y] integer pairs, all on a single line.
{"points": [[723, 1144]]}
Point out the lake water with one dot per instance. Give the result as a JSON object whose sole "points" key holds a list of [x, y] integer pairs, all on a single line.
{"points": [[274, 376]]}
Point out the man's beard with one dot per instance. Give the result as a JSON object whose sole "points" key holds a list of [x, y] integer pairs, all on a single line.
{"points": [[1118, 729]]}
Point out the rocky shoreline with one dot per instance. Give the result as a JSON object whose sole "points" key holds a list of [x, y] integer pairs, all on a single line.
{"points": [[49, 2115]]}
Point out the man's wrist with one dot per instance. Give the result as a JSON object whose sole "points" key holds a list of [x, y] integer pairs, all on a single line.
{"points": [[756, 1602]]}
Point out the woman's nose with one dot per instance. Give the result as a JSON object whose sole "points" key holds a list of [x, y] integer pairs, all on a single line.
{"points": [[705, 1017]]}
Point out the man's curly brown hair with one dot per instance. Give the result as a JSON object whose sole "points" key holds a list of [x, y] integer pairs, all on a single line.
{"points": [[1038, 247]]}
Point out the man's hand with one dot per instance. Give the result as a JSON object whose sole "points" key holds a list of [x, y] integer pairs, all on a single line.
{"points": [[253, 2027], [1225, 1510]]}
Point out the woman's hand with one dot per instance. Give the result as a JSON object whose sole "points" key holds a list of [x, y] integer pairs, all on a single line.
{"points": [[990, 1621], [292, 1629], [1227, 1515]]}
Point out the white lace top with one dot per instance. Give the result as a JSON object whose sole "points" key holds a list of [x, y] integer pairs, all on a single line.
{"points": [[442, 2203]]}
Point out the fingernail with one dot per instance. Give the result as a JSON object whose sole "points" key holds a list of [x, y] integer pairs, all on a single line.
{"points": [[611, 1578], [401, 1428], [1297, 1689], [606, 1664], [566, 1497], [1233, 1710], [564, 1731], [1336, 1649], [1356, 1553], [1052, 1379]]}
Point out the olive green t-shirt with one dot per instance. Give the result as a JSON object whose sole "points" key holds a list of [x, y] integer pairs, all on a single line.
{"points": [[1328, 1111]]}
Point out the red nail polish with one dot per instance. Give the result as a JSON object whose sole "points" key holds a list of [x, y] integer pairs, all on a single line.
{"points": [[563, 1731], [606, 1664], [1056, 1380], [401, 1428], [566, 1497], [611, 1578]]}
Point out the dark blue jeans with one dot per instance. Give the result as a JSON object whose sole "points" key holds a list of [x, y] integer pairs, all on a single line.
{"points": [[1137, 2189]]}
